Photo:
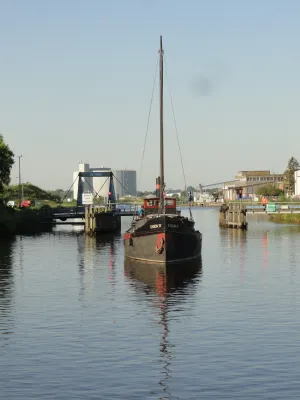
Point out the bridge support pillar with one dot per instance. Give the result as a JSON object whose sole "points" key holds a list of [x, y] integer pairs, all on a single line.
{"points": [[233, 215], [101, 220]]}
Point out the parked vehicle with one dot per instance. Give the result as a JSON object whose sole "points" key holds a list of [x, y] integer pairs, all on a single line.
{"points": [[27, 203]]}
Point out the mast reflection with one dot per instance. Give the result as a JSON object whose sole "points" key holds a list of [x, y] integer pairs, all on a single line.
{"points": [[170, 285]]}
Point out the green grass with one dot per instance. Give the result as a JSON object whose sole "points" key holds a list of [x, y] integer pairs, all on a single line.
{"points": [[285, 218], [53, 204], [49, 203]]}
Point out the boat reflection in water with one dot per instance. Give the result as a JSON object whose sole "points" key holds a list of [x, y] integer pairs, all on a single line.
{"points": [[162, 278], [168, 287]]}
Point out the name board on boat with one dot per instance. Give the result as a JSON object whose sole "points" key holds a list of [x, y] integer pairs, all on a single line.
{"points": [[173, 226], [155, 226]]}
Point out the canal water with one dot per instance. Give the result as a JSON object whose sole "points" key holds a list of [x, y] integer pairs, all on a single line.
{"points": [[76, 323]]}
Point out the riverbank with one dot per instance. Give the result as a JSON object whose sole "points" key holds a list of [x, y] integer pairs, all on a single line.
{"points": [[285, 218], [25, 221]]}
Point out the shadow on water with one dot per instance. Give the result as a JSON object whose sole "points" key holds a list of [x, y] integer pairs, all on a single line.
{"points": [[170, 286], [6, 284]]}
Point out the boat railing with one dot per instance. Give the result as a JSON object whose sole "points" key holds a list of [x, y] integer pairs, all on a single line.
{"points": [[125, 208]]}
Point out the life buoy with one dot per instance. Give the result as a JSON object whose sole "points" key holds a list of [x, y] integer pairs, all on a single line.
{"points": [[159, 249]]}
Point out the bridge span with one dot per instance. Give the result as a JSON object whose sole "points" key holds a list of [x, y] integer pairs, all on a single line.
{"points": [[66, 213], [273, 208]]}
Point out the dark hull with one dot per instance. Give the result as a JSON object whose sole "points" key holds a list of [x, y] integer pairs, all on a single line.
{"points": [[163, 239]]}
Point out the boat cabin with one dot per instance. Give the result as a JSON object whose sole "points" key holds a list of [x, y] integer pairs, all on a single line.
{"points": [[152, 205]]}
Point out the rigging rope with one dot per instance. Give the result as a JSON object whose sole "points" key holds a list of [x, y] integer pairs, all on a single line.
{"points": [[125, 191], [97, 193], [93, 190], [121, 185], [176, 130], [147, 128], [68, 191]]}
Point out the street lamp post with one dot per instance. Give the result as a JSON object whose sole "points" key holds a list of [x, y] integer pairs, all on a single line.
{"points": [[20, 182]]}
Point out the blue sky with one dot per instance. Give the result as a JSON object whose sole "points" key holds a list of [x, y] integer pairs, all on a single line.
{"points": [[76, 80]]}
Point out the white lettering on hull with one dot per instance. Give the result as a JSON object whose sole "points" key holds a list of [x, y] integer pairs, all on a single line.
{"points": [[173, 226], [155, 226]]}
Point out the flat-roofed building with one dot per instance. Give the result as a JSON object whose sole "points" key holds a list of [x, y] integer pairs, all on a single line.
{"points": [[246, 183]]}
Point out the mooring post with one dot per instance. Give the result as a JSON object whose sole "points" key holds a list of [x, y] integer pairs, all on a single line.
{"points": [[244, 218], [233, 215]]}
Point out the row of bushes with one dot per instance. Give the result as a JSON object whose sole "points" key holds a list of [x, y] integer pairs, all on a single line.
{"points": [[14, 221], [30, 191]]}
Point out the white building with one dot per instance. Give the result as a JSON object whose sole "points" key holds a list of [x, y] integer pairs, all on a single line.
{"points": [[297, 183], [124, 182], [96, 185], [100, 184], [248, 182], [172, 192], [82, 167], [203, 198]]}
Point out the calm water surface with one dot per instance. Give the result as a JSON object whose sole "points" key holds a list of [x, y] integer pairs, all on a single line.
{"points": [[76, 323]]}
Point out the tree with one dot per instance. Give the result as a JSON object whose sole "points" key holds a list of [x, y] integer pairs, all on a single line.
{"points": [[61, 194], [98, 200], [31, 192], [6, 163], [191, 189], [143, 194], [184, 194], [293, 164], [269, 190], [289, 175], [216, 194]]}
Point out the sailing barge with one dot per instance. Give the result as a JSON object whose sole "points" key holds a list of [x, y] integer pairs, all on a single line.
{"points": [[161, 234]]}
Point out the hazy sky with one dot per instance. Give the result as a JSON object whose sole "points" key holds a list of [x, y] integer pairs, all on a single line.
{"points": [[76, 80]]}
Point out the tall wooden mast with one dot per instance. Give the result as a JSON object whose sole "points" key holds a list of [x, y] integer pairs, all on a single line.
{"points": [[162, 177]]}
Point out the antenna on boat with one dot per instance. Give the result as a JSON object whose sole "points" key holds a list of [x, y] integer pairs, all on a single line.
{"points": [[161, 86]]}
